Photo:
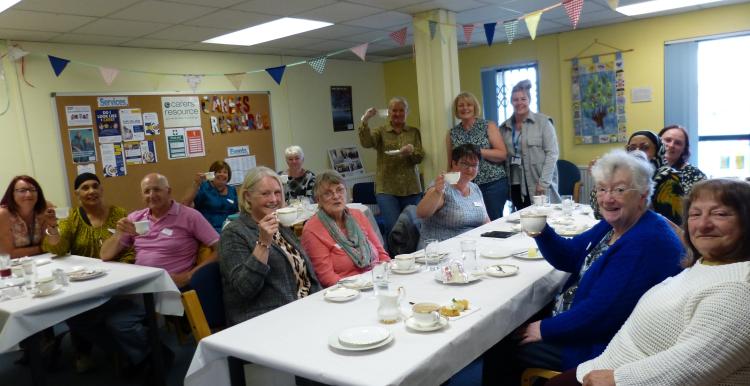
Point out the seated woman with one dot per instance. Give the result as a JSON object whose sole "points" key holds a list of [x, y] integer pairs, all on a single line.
{"points": [[448, 210], [262, 265], [692, 329], [213, 198], [611, 266], [25, 218], [677, 144], [340, 241], [301, 182]]}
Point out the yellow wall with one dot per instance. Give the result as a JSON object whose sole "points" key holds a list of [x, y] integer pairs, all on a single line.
{"points": [[644, 67], [300, 107]]}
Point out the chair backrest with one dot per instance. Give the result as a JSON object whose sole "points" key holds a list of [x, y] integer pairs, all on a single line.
{"points": [[364, 193], [207, 284], [195, 315], [569, 178]]}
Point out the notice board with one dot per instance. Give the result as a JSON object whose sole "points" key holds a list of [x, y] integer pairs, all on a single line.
{"points": [[123, 137]]}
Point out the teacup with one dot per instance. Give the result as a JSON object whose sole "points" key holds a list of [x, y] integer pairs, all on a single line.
{"points": [[142, 227], [284, 178], [287, 216], [45, 285], [426, 314], [533, 223], [383, 113], [452, 178], [210, 176], [404, 262], [62, 212]]}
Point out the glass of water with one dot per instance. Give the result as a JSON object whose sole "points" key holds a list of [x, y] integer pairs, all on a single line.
{"points": [[567, 205], [431, 254], [380, 271], [469, 254]]}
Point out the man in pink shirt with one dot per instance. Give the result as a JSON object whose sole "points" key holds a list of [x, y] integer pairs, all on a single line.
{"points": [[175, 231]]}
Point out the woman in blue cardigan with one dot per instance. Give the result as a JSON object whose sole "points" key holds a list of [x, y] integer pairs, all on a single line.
{"points": [[611, 266]]}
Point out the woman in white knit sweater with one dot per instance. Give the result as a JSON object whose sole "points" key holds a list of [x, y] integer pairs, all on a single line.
{"points": [[694, 328]]}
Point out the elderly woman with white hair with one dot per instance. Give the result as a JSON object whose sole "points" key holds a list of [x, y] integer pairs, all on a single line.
{"points": [[262, 264], [611, 266], [301, 182]]}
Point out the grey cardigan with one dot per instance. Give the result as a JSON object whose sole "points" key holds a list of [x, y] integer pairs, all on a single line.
{"points": [[250, 287]]}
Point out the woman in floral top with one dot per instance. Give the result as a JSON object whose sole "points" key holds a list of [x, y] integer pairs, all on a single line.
{"points": [[677, 143], [301, 182]]}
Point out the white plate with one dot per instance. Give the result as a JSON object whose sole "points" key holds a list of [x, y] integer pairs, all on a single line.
{"points": [[411, 323], [474, 276], [571, 230], [356, 282], [494, 254], [363, 336], [42, 261], [525, 255], [340, 294], [501, 270], [333, 341], [87, 274], [37, 294], [414, 268], [393, 152]]}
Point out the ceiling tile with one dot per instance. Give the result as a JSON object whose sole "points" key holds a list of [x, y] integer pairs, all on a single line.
{"points": [[336, 31], [114, 27], [189, 33], [97, 40], [339, 12], [213, 3], [295, 41], [282, 7], [367, 36], [450, 5], [388, 4], [230, 18], [76, 7], [161, 11], [331, 46], [382, 20], [209, 47], [41, 21], [33, 36], [155, 43]]}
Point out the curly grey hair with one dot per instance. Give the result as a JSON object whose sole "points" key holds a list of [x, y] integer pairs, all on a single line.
{"points": [[636, 162]]}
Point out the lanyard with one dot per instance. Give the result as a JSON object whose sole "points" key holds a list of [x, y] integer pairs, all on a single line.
{"points": [[517, 139]]}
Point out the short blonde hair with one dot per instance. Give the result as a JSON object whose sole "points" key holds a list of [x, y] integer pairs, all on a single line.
{"points": [[467, 96], [294, 150], [252, 178]]}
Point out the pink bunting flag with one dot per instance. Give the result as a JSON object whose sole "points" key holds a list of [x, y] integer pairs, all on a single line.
{"points": [[193, 81], [108, 74], [468, 30], [399, 36], [573, 9], [360, 50]]}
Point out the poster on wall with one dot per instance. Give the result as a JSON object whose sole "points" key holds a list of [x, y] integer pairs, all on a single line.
{"points": [[598, 97], [195, 145], [341, 108], [82, 147], [113, 160], [240, 166], [176, 143], [181, 111], [346, 161], [132, 151], [108, 126], [148, 151], [78, 115], [131, 123], [85, 168], [151, 123]]}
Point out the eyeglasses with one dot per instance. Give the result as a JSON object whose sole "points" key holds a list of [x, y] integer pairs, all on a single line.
{"points": [[641, 146], [616, 192], [25, 190], [466, 165], [329, 194]]}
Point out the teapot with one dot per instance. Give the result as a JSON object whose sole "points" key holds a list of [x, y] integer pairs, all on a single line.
{"points": [[389, 305]]}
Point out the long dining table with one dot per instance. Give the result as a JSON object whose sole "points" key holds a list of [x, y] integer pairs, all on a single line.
{"points": [[294, 339]]}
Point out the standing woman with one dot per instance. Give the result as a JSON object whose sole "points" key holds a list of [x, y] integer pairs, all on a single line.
{"points": [[301, 181], [677, 143], [532, 150], [214, 199], [397, 182], [25, 218], [474, 130]]}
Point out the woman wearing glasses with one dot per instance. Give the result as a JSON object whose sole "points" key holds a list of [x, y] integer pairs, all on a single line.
{"points": [[340, 241], [448, 210], [677, 144], [25, 218], [611, 266]]}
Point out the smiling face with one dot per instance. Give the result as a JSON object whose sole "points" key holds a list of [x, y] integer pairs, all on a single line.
{"points": [[714, 228], [520, 102], [397, 114], [221, 178], [644, 144], [265, 198], [468, 166], [294, 162], [465, 109], [90, 193], [25, 195], [674, 140], [621, 205], [156, 194]]}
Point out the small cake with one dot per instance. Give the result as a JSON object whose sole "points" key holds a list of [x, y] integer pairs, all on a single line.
{"points": [[461, 304], [449, 311], [454, 273], [532, 252]]}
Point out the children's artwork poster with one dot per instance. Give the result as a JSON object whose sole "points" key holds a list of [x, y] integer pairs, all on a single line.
{"points": [[151, 123], [148, 152], [113, 160], [82, 147], [598, 95], [341, 108], [195, 145], [78, 115], [176, 143], [133, 152], [346, 161], [131, 124], [108, 126]]}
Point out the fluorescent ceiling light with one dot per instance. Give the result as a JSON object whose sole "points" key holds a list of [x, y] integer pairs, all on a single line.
{"points": [[658, 6], [272, 30], [5, 4]]}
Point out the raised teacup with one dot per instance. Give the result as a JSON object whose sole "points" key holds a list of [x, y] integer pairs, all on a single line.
{"points": [[533, 223], [426, 314], [61, 212], [210, 176], [452, 178], [142, 227], [286, 216], [404, 262]]}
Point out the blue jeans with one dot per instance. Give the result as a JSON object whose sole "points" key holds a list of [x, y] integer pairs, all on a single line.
{"points": [[495, 194], [391, 207]]}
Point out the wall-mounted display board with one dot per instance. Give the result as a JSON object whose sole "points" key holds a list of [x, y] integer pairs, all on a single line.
{"points": [[123, 137]]}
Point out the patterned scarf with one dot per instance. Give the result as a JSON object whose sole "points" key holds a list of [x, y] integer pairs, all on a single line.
{"points": [[356, 245]]}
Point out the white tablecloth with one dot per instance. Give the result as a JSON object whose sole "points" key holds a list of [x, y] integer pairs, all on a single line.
{"points": [[294, 338], [26, 315]]}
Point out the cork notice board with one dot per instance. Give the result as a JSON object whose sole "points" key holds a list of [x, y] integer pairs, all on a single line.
{"points": [[92, 123]]}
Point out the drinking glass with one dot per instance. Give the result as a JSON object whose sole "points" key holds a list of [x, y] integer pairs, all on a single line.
{"points": [[380, 276], [469, 254], [29, 270], [567, 205], [431, 254], [4, 266]]}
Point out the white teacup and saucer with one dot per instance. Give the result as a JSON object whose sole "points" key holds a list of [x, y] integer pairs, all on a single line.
{"points": [[45, 286], [425, 317], [403, 264]]}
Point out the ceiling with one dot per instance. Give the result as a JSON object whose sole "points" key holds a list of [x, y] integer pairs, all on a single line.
{"points": [[183, 24]]}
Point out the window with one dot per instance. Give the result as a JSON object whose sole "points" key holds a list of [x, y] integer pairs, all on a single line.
{"points": [[497, 84]]}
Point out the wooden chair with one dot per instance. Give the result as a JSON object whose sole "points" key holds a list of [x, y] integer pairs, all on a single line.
{"points": [[204, 304], [195, 315], [530, 374]]}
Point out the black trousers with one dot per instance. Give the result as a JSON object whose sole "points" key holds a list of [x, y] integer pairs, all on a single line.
{"points": [[519, 200]]}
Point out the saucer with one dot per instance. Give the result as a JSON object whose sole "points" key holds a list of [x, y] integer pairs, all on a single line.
{"points": [[525, 255], [333, 341], [340, 294], [571, 230], [86, 274], [392, 152], [356, 283], [501, 270], [39, 294], [411, 323], [414, 268], [474, 276]]}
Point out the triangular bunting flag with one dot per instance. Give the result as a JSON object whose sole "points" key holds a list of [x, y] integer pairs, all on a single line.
{"points": [[15, 53], [613, 4], [468, 30], [58, 64], [489, 32], [399, 36], [433, 28], [236, 79], [276, 73], [360, 50], [532, 22], [573, 9], [318, 64], [510, 29], [108, 74], [193, 81]]}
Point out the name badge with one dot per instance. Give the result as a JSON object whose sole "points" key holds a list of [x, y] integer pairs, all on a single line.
{"points": [[478, 204], [167, 231], [230, 201], [515, 160]]}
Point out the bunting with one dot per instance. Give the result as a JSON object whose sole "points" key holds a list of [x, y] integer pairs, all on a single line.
{"points": [[318, 64], [532, 22], [613, 4], [58, 64], [15, 53], [489, 32], [276, 73], [360, 50], [108, 74], [573, 9], [399, 36], [433, 28], [236, 79], [511, 26], [468, 31], [193, 81]]}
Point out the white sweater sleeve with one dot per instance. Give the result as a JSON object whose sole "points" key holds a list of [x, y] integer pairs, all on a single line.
{"points": [[714, 344]]}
